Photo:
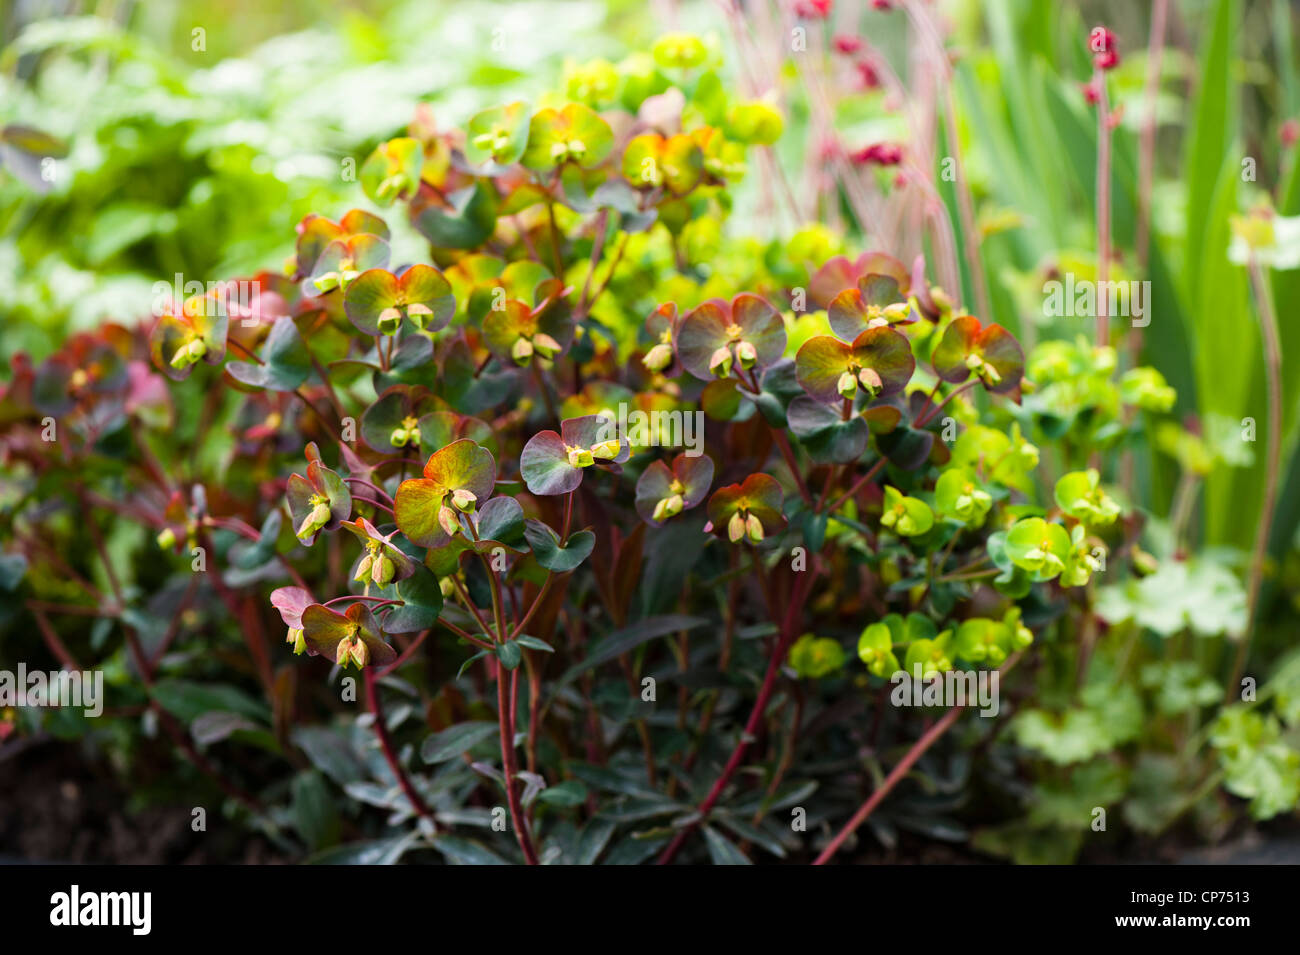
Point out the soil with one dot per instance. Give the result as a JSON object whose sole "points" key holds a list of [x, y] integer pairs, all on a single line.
{"points": [[58, 806]]}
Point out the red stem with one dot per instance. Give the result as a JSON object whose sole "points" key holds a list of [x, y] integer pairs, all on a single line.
{"points": [[386, 744], [755, 717], [896, 775], [892, 780], [508, 766]]}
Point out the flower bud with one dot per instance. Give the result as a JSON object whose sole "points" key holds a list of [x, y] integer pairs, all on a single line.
{"points": [[360, 653], [736, 527], [847, 386], [1052, 563], [343, 652], [464, 500], [448, 520], [897, 311], [545, 345], [522, 351], [668, 507], [754, 528], [318, 518], [746, 354], [720, 362], [327, 282], [382, 570], [605, 450], [299, 642], [399, 437], [166, 538], [390, 319], [363, 568], [182, 358], [658, 358], [871, 381], [581, 458], [419, 314]]}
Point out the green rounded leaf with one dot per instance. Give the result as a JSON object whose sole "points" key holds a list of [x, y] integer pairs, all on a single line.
{"points": [[553, 555]]}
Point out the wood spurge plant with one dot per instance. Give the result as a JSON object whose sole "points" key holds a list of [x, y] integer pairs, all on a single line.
{"points": [[536, 510]]}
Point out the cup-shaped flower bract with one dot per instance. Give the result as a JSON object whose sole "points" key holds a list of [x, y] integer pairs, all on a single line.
{"points": [[319, 501], [876, 301], [1082, 563], [990, 352], [661, 357], [351, 638], [382, 561], [876, 648], [392, 423], [553, 463], [750, 510], [981, 640], [187, 334], [958, 495], [929, 656], [393, 170], [573, 134], [906, 516], [716, 338], [456, 480], [343, 260], [518, 333], [497, 135], [377, 301], [315, 233], [813, 657], [1079, 494], [879, 363], [1038, 547], [663, 492], [675, 163], [291, 602]]}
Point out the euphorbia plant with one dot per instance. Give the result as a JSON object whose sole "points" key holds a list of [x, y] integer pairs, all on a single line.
{"points": [[619, 644]]}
